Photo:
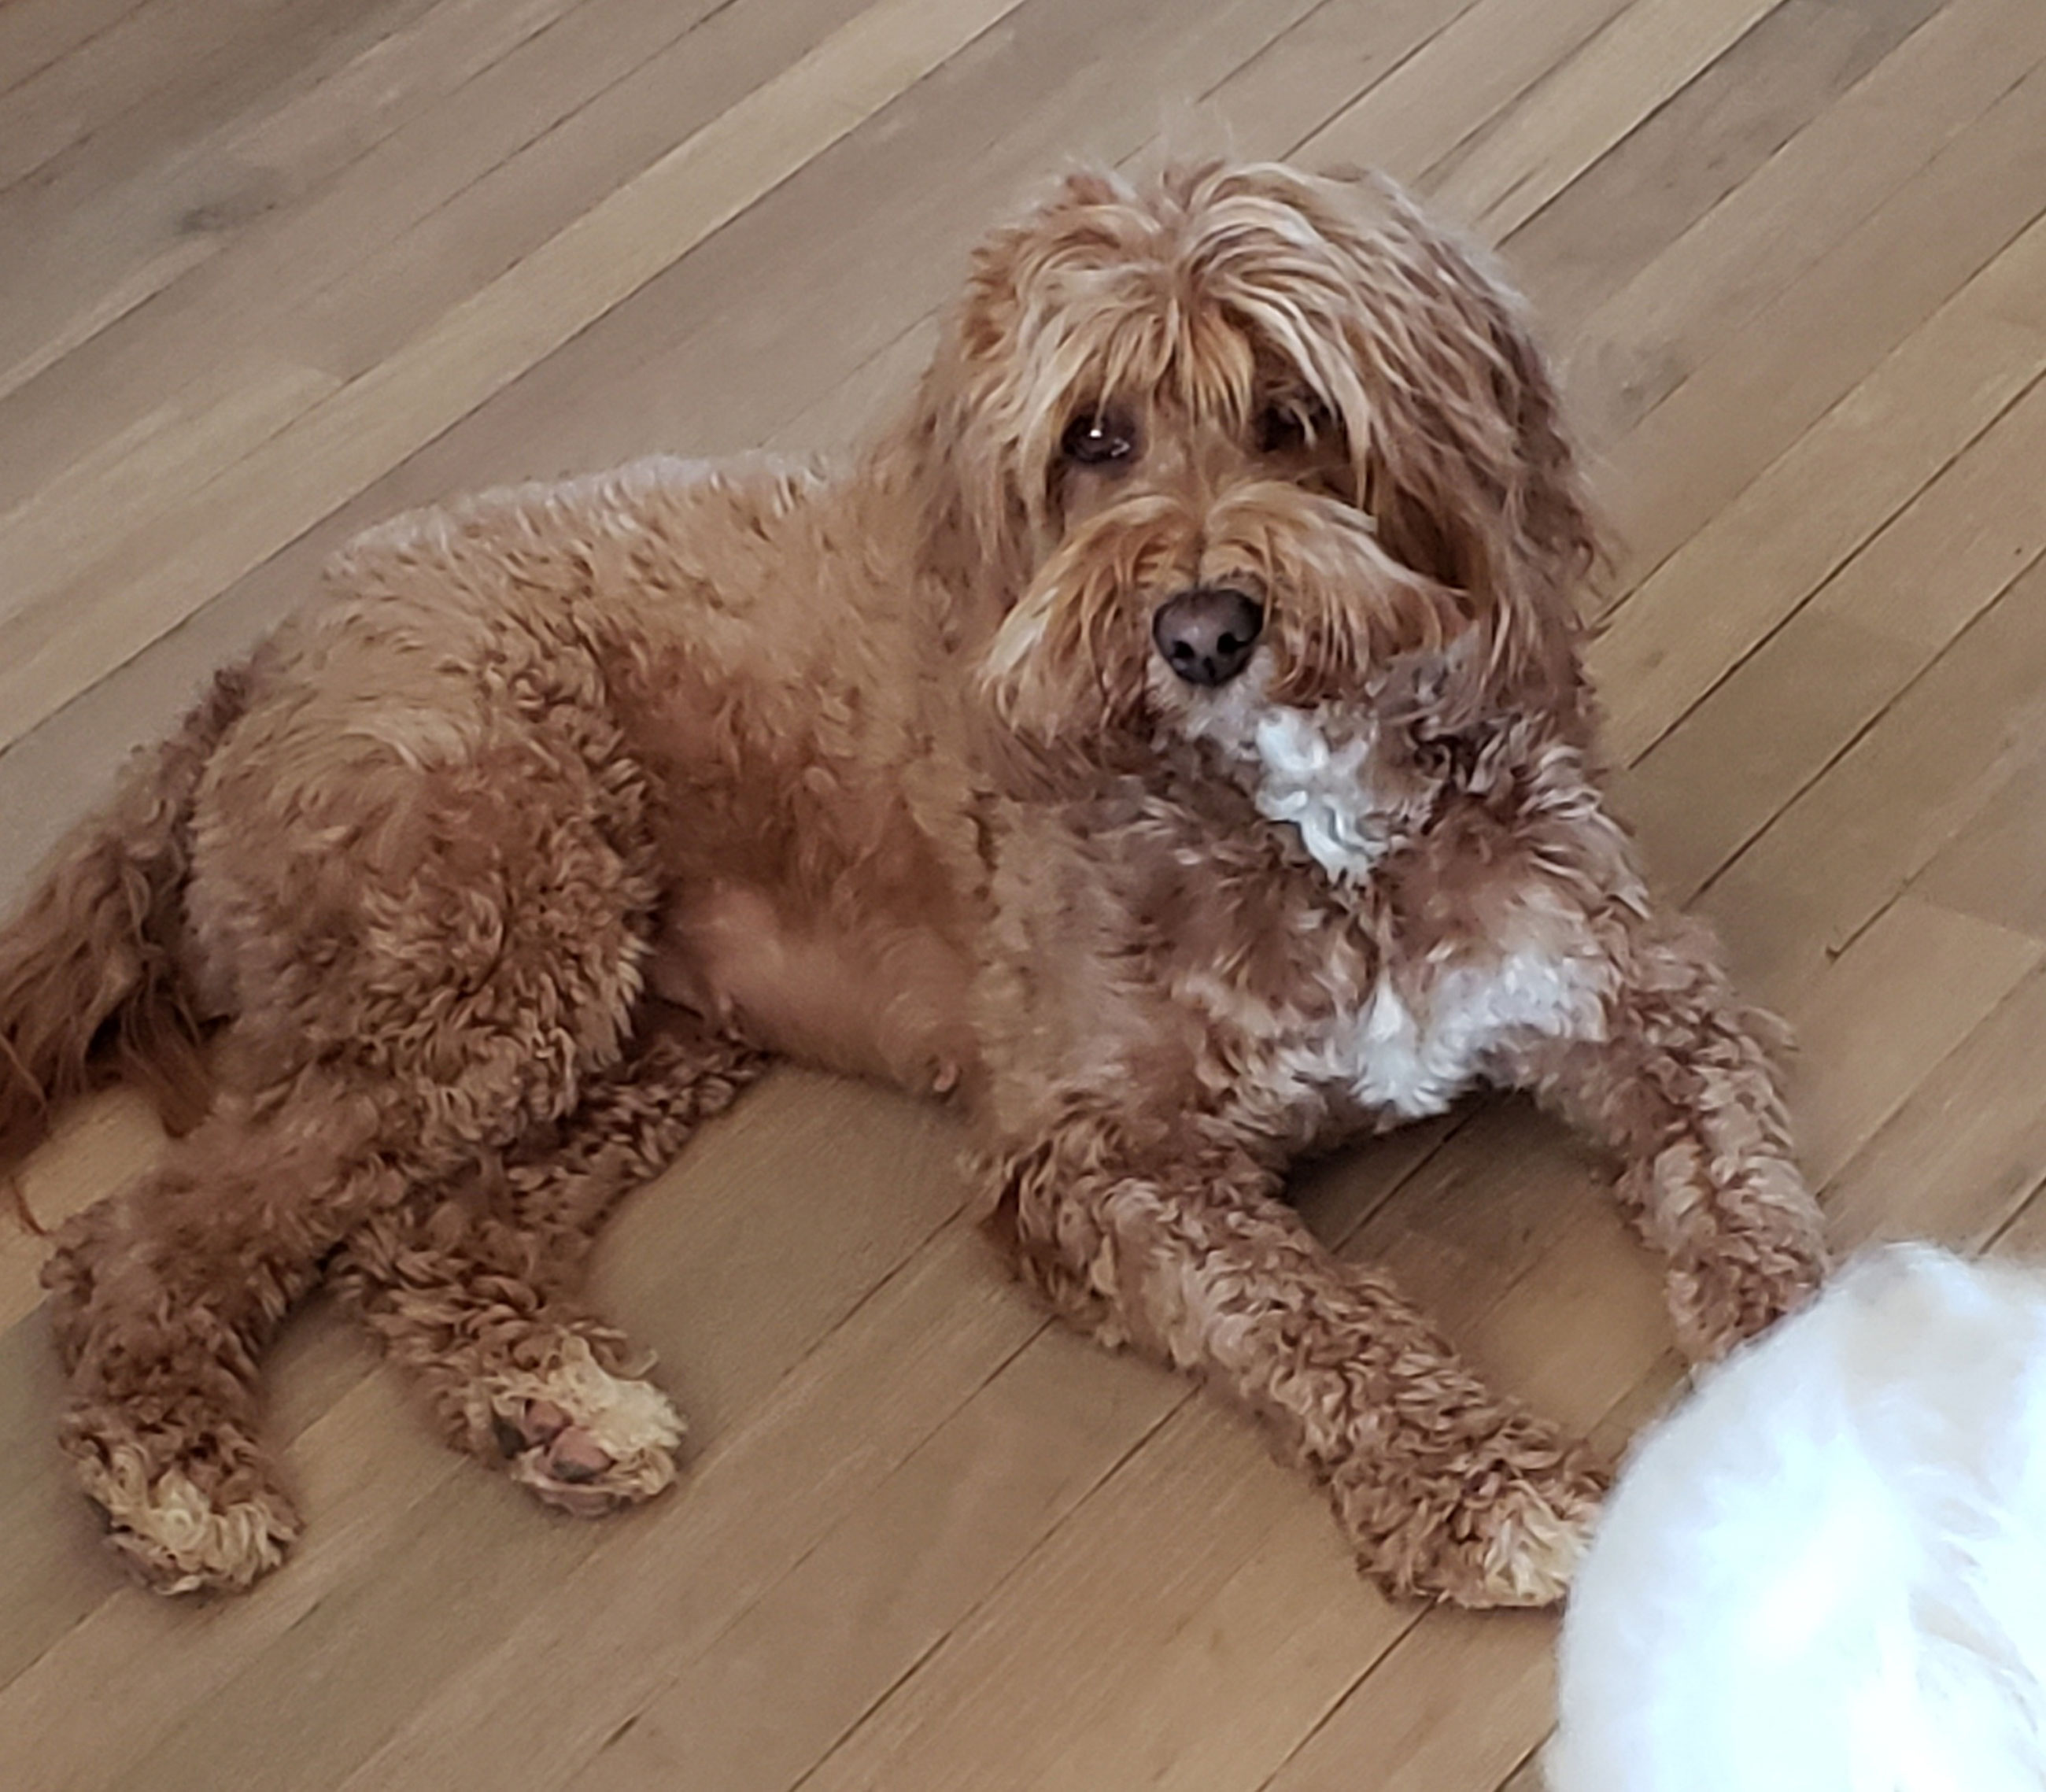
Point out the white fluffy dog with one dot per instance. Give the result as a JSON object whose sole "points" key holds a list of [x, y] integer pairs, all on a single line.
{"points": [[1827, 1570]]}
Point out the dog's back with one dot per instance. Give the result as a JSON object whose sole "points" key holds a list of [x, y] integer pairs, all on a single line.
{"points": [[1826, 1572]]}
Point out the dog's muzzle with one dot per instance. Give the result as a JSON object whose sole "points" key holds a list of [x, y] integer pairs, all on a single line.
{"points": [[1207, 635]]}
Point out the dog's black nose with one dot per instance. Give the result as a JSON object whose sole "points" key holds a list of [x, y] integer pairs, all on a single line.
{"points": [[1206, 634]]}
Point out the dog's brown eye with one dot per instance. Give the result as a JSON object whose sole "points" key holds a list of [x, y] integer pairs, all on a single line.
{"points": [[1104, 439], [1288, 425]]}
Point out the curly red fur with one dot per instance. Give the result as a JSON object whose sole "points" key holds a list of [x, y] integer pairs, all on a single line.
{"points": [[91, 990], [513, 858]]}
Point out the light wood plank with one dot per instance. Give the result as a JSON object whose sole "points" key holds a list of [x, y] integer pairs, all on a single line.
{"points": [[1830, 862], [107, 246], [1788, 75], [1995, 867], [1084, 1610], [1407, 123], [1856, 1065], [552, 1689], [1231, 1689], [1788, 710], [1319, 66], [1766, 551], [1925, 577], [888, 1584], [2025, 1237], [1500, 179], [1707, 292], [128, 92], [1772, 726], [270, 264], [1453, 1709], [1958, 1159], [1854, 306], [33, 33], [51, 649]]}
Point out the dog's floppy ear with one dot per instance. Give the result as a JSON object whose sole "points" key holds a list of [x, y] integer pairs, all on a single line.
{"points": [[973, 534], [979, 433], [1463, 463], [990, 408]]}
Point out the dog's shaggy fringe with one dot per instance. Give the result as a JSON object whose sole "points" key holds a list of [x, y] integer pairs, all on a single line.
{"points": [[1167, 739]]}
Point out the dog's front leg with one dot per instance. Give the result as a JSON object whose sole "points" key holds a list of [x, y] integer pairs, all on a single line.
{"points": [[1680, 1084], [1443, 1487]]}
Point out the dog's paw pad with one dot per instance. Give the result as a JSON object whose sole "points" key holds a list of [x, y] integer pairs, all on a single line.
{"points": [[585, 1440], [576, 1456], [536, 1423]]}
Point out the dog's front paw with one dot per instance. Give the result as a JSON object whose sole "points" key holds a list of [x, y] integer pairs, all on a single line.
{"points": [[1503, 1520], [186, 1514], [1526, 1541], [1720, 1300], [582, 1439]]}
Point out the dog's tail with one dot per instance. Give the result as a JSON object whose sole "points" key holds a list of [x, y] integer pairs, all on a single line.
{"points": [[92, 990]]}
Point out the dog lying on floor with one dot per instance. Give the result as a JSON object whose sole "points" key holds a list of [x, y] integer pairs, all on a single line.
{"points": [[1168, 736], [1826, 1571]]}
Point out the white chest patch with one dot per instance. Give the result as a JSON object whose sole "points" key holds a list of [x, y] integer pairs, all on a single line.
{"points": [[1323, 791], [1416, 1041], [1414, 1058]]}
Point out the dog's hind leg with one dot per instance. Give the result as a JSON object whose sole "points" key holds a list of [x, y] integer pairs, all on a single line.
{"points": [[429, 953], [1188, 1253], [163, 1298], [473, 1293]]}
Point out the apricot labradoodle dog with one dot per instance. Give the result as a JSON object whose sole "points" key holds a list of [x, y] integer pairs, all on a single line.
{"points": [[1168, 735]]}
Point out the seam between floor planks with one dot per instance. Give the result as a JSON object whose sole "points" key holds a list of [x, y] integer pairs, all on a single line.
{"points": [[342, 442]]}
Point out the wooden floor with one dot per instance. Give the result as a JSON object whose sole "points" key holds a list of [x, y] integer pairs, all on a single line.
{"points": [[270, 268]]}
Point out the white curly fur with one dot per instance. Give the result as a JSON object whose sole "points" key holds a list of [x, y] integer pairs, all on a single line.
{"points": [[1826, 1572]]}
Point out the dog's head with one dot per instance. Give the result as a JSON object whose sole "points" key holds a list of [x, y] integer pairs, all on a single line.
{"points": [[1242, 436]]}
